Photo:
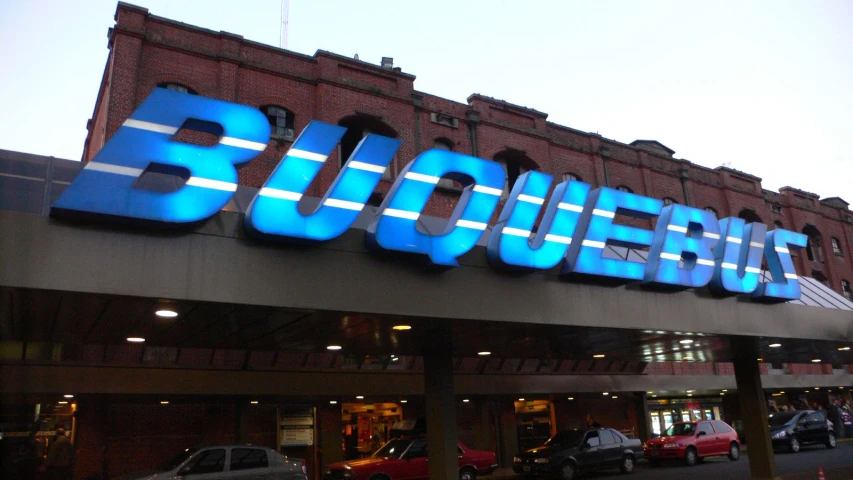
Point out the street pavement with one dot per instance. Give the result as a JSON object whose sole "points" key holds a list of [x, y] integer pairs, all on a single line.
{"points": [[837, 465]]}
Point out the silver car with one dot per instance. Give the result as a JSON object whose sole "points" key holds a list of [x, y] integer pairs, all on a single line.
{"points": [[232, 462]]}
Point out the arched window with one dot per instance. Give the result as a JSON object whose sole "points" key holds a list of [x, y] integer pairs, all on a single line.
{"points": [[836, 246], [711, 210], [571, 176], [845, 290], [813, 249], [281, 121], [516, 163], [358, 127], [623, 188], [668, 201], [445, 182], [177, 87], [749, 215]]}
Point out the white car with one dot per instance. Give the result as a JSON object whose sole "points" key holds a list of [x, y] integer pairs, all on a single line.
{"points": [[232, 462]]}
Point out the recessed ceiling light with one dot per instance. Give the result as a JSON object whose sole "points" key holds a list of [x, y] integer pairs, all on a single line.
{"points": [[333, 402], [843, 349], [841, 388], [359, 397], [775, 345], [654, 396], [723, 393], [760, 359], [166, 313], [689, 394], [62, 403], [690, 391], [404, 401], [686, 341], [402, 327], [333, 347], [571, 398], [605, 393], [483, 354], [725, 389], [254, 402], [465, 400], [68, 396], [615, 396], [164, 402], [135, 339], [598, 355], [649, 392], [817, 388], [807, 391], [520, 399], [815, 360]]}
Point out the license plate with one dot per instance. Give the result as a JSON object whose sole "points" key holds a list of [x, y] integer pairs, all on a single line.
{"points": [[525, 469], [654, 454]]}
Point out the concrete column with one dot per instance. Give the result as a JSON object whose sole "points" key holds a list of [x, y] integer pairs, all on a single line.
{"points": [[644, 430], [440, 407], [241, 422], [753, 408], [508, 430], [331, 439]]}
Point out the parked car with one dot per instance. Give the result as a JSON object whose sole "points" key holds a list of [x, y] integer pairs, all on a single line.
{"points": [[406, 459], [792, 430], [572, 452], [693, 442], [236, 462]]}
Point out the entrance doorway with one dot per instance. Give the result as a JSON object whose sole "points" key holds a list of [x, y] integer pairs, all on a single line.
{"points": [[367, 426]]}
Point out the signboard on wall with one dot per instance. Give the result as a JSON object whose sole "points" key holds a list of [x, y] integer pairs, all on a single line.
{"points": [[297, 428]]}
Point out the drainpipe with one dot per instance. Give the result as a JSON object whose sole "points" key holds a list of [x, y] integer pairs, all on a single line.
{"points": [[604, 153], [473, 117]]}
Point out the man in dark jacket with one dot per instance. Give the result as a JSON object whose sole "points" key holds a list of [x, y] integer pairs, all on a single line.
{"points": [[60, 457], [833, 413]]}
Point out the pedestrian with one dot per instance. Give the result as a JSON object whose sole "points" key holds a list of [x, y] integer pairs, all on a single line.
{"points": [[833, 413], [590, 421], [60, 457], [847, 419]]}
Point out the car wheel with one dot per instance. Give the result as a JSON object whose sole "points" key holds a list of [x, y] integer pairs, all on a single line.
{"points": [[567, 471], [831, 442], [734, 452], [627, 465], [794, 445], [467, 474], [690, 457]]}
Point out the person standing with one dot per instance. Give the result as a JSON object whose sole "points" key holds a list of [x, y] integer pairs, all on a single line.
{"points": [[60, 457], [847, 419]]}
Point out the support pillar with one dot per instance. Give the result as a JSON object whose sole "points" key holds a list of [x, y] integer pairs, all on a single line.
{"points": [[508, 447], [331, 439], [440, 407], [644, 431], [241, 422], [753, 408], [483, 424]]}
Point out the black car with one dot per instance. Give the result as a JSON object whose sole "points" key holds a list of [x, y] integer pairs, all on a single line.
{"points": [[792, 430], [579, 451]]}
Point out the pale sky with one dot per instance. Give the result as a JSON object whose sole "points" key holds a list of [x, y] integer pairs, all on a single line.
{"points": [[766, 86]]}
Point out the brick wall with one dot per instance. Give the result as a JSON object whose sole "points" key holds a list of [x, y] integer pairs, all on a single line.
{"points": [[146, 51]]}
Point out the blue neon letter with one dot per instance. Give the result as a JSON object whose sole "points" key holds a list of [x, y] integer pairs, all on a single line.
{"points": [[682, 253], [738, 257], [777, 250], [596, 221], [105, 186], [394, 228], [510, 245], [274, 211]]}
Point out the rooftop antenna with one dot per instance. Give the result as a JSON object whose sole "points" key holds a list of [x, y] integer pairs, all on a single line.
{"points": [[285, 10]]}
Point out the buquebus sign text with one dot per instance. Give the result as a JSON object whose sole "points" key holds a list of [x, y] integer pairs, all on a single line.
{"points": [[689, 247]]}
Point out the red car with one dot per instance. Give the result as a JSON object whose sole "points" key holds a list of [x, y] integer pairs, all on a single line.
{"points": [[406, 459], [693, 441]]}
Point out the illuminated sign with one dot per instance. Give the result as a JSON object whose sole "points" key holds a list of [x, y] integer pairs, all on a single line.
{"points": [[689, 247]]}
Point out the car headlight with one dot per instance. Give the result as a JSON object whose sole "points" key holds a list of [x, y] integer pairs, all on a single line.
{"points": [[540, 460], [671, 445], [516, 459], [781, 434]]}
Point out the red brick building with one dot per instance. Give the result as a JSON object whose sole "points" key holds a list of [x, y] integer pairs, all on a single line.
{"points": [[148, 51]]}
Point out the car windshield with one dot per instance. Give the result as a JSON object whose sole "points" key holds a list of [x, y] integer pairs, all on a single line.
{"points": [[571, 437], [178, 459], [784, 418], [392, 449], [681, 429]]}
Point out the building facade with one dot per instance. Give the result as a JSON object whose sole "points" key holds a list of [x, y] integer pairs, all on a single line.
{"points": [[147, 51]]}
